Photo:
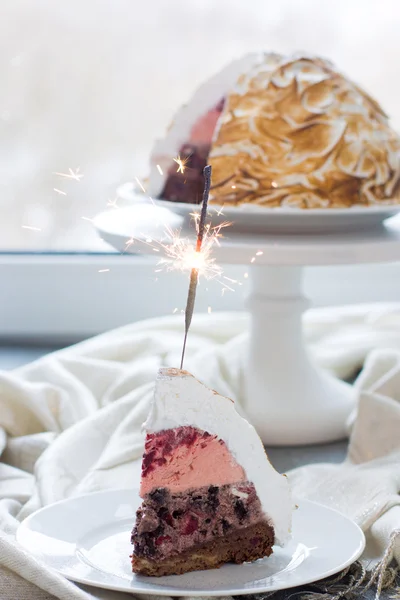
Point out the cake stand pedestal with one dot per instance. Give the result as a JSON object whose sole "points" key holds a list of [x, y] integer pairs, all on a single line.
{"points": [[289, 399]]}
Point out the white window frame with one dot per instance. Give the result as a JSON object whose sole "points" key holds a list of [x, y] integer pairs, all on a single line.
{"points": [[53, 297]]}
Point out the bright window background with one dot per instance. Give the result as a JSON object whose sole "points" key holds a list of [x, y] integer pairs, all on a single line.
{"points": [[91, 83]]}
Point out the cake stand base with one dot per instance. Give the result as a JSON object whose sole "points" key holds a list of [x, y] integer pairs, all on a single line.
{"points": [[288, 398]]}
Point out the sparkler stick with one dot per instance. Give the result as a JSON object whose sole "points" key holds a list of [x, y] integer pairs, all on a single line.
{"points": [[194, 273]]}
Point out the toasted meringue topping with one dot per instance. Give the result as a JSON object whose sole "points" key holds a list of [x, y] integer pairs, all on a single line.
{"points": [[295, 132]]}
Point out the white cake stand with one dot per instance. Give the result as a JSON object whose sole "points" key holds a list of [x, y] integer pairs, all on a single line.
{"points": [[288, 398]]}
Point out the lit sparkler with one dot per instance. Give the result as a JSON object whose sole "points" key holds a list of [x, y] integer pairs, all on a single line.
{"points": [[181, 255], [194, 274], [61, 192]]}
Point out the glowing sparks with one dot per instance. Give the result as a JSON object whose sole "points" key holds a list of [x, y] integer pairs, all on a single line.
{"points": [[87, 219], [61, 192], [185, 257], [76, 175], [103, 270], [181, 162], [259, 253], [253, 259], [219, 212], [233, 187], [209, 310], [140, 184], [274, 184], [113, 203], [246, 275], [181, 253], [31, 228], [226, 287], [174, 311], [160, 170]]}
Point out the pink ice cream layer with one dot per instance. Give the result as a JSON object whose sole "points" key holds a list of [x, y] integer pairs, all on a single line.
{"points": [[185, 458], [202, 131]]}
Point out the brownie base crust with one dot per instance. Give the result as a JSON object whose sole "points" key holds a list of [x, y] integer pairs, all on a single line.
{"points": [[239, 546]]}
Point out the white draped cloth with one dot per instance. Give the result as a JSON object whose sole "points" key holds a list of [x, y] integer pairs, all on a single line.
{"points": [[70, 423]]}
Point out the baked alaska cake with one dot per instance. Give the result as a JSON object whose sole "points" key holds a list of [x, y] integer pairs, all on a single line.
{"points": [[279, 131], [209, 494]]}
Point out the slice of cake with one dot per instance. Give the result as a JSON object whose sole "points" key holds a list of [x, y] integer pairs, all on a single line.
{"points": [[210, 495]]}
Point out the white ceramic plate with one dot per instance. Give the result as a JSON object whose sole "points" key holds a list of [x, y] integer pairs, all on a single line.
{"points": [[87, 539], [252, 218]]}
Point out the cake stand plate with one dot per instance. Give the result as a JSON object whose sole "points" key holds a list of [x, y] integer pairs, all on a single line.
{"points": [[288, 398], [87, 539], [255, 218]]}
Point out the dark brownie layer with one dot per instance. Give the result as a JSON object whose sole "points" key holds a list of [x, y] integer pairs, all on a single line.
{"points": [[168, 524], [188, 186], [241, 545]]}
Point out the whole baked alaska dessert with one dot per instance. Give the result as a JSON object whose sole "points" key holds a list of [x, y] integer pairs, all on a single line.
{"points": [[279, 131], [209, 494]]}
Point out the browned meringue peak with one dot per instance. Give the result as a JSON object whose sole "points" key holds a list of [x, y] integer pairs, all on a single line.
{"points": [[295, 132]]}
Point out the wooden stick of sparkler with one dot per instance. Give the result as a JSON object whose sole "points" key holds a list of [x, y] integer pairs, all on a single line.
{"points": [[194, 274]]}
